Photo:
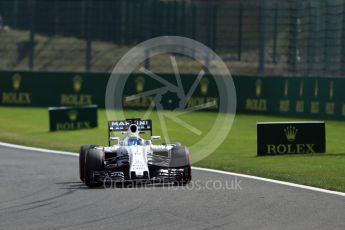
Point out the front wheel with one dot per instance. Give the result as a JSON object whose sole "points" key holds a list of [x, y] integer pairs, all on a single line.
{"points": [[180, 159], [186, 178], [82, 153], [94, 162]]}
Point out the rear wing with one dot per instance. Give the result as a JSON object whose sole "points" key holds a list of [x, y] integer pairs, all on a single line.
{"points": [[123, 125]]}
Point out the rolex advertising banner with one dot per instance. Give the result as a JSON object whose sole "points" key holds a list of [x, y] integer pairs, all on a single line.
{"points": [[45, 89], [290, 138], [291, 96], [70, 89], [72, 117], [205, 92]]}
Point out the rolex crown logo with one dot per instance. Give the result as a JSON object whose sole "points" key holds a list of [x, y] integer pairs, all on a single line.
{"points": [[258, 88], [73, 115], [16, 81], [77, 83], [204, 85], [139, 84], [291, 133]]}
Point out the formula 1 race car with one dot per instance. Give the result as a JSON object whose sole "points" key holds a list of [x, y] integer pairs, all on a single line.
{"points": [[133, 158]]}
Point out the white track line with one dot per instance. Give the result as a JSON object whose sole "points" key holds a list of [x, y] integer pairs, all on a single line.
{"points": [[38, 149], [195, 168], [272, 181]]}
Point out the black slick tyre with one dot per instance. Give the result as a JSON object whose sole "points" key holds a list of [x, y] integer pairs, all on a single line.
{"points": [[93, 162]]}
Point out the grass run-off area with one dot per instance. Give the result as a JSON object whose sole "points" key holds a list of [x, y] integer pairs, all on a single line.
{"points": [[29, 126]]}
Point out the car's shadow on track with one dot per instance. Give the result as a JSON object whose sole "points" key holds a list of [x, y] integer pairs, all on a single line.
{"points": [[77, 185]]}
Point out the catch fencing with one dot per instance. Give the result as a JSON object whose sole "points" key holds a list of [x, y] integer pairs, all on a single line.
{"points": [[291, 37]]}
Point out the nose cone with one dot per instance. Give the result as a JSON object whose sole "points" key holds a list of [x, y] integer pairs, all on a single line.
{"points": [[137, 150], [138, 164]]}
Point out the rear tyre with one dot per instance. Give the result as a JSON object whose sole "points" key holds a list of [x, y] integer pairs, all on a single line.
{"points": [[82, 153], [180, 159], [93, 162]]}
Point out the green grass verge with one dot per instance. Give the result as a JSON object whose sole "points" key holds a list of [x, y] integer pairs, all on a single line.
{"points": [[28, 126]]}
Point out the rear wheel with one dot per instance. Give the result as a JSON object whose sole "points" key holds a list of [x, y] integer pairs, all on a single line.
{"points": [[82, 153], [93, 162]]}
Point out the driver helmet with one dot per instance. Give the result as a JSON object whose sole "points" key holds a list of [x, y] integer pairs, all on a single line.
{"points": [[132, 140]]}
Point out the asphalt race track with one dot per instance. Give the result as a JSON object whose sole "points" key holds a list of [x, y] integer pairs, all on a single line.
{"points": [[42, 191]]}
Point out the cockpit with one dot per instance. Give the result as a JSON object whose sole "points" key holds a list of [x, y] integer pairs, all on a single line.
{"points": [[137, 141], [133, 141]]}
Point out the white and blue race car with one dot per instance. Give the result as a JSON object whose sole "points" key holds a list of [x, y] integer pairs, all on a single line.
{"points": [[133, 158]]}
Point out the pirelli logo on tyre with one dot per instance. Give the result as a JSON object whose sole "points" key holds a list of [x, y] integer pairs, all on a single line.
{"points": [[275, 138]]}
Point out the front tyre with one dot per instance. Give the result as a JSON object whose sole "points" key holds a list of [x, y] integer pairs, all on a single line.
{"points": [[180, 159], [93, 162], [82, 153]]}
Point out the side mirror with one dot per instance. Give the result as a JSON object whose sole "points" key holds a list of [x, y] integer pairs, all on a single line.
{"points": [[155, 138], [115, 139]]}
